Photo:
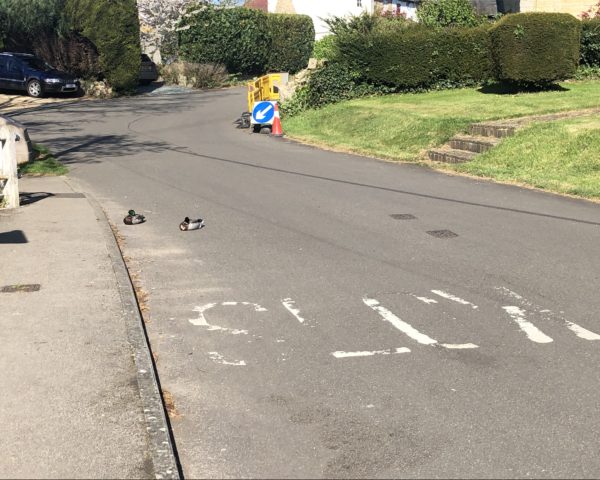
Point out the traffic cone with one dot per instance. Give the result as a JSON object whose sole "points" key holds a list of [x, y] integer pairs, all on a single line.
{"points": [[276, 128]]}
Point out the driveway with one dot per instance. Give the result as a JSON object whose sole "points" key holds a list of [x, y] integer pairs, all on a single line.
{"points": [[340, 316]]}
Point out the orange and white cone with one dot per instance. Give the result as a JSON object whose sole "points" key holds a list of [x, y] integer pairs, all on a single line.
{"points": [[276, 130]]}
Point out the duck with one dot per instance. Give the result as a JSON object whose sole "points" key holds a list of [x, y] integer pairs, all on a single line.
{"points": [[188, 224], [133, 218]]}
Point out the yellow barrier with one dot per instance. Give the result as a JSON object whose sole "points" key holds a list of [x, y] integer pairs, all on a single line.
{"points": [[266, 88]]}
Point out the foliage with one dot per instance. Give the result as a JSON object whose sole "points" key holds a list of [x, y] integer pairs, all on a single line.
{"points": [[26, 18], [536, 48], [332, 83], [447, 13], [587, 73], [292, 40], [419, 57], [590, 42], [237, 37], [113, 26], [592, 12], [195, 75], [324, 49]]}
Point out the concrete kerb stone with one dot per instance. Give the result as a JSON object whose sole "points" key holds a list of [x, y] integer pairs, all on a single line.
{"points": [[161, 444]]}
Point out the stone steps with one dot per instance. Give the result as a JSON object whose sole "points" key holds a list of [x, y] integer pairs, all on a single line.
{"points": [[492, 130], [450, 155], [473, 143]]}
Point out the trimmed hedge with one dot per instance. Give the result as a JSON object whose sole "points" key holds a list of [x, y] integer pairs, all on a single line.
{"points": [[590, 43], [419, 57], [536, 48], [113, 27], [236, 37], [292, 40], [246, 40]]}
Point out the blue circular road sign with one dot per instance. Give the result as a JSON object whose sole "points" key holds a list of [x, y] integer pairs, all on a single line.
{"points": [[263, 112]]}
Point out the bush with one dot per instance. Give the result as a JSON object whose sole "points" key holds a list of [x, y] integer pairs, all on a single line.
{"points": [[236, 37], [292, 40], [447, 13], [113, 26], [195, 75], [419, 57], [590, 43], [536, 48], [325, 49]]}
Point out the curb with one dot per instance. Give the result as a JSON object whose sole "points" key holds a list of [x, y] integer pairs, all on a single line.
{"points": [[161, 444]]}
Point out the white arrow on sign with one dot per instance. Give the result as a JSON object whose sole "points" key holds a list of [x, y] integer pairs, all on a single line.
{"points": [[261, 114]]}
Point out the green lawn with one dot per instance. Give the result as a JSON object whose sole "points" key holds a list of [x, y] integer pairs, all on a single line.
{"points": [[402, 127], [562, 156], [44, 163]]}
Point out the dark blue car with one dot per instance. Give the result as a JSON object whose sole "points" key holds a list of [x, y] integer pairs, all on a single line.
{"points": [[21, 71]]}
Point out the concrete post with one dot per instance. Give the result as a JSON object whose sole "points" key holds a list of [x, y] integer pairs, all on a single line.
{"points": [[8, 167]]}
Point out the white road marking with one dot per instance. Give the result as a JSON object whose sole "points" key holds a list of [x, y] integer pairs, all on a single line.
{"points": [[578, 330], [582, 332], [202, 322], [533, 333], [342, 354], [218, 358], [398, 323], [454, 298], [459, 346], [290, 305], [426, 300]]}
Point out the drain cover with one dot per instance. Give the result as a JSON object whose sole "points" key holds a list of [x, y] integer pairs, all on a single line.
{"points": [[32, 287], [402, 216], [442, 234], [69, 195]]}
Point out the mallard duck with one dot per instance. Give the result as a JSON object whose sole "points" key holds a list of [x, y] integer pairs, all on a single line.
{"points": [[133, 218], [188, 224]]}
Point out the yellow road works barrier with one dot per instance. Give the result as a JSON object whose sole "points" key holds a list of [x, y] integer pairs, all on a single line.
{"points": [[266, 88]]}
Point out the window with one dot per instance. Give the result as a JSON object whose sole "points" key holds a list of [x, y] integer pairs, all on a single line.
{"points": [[359, 3]]}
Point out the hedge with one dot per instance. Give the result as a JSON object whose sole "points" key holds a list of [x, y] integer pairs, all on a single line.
{"points": [[590, 43], [536, 48], [113, 27], [236, 37], [292, 40], [246, 41], [420, 57]]}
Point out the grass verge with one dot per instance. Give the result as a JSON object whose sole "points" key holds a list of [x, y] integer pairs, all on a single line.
{"points": [[44, 163], [561, 156]]}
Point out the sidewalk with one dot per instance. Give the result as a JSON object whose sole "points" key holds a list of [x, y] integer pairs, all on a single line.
{"points": [[70, 403]]}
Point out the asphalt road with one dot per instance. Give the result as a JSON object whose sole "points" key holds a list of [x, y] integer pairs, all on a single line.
{"points": [[306, 332]]}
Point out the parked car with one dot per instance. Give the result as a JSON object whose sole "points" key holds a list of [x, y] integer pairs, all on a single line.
{"points": [[148, 70], [21, 71]]}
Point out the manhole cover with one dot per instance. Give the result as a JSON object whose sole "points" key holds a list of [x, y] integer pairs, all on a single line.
{"points": [[442, 234], [69, 195], [33, 287], [402, 216]]}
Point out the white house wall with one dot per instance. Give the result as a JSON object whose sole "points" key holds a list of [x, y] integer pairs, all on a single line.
{"points": [[319, 9]]}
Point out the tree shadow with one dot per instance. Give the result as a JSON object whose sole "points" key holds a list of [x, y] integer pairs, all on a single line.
{"points": [[506, 88]]}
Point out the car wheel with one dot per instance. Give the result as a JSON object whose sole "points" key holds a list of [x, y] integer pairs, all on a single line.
{"points": [[34, 88]]}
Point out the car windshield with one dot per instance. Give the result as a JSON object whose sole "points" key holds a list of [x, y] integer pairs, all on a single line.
{"points": [[33, 62]]}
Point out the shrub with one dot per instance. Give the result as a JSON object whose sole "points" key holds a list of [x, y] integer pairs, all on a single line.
{"points": [[590, 43], [536, 48], [195, 75], [325, 49], [113, 26], [292, 40], [447, 13], [237, 37], [419, 57]]}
